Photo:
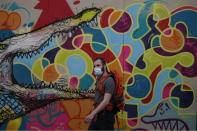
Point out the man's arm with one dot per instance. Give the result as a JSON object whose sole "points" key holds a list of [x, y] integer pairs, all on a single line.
{"points": [[100, 107], [86, 94]]}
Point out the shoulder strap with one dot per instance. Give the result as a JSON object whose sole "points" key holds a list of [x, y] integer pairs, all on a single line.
{"points": [[101, 83]]}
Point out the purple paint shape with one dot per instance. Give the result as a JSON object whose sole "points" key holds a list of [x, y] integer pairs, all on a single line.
{"points": [[74, 82], [123, 24], [68, 44], [78, 41], [125, 52]]}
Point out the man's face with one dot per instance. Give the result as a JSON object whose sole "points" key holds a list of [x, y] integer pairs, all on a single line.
{"points": [[98, 64], [98, 68]]}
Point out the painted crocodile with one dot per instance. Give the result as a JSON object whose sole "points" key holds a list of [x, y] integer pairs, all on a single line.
{"points": [[17, 100]]}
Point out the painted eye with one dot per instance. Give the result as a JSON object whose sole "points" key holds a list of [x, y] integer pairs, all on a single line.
{"points": [[3, 46]]}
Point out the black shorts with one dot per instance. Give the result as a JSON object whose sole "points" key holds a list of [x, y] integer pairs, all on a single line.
{"points": [[104, 121]]}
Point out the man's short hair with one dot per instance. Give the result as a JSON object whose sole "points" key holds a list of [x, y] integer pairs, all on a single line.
{"points": [[101, 59]]}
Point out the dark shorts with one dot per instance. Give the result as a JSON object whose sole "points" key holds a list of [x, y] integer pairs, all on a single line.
{"points": [[104, 121]]}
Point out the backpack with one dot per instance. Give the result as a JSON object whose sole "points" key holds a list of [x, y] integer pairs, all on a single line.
{"points": [[117, 101]]}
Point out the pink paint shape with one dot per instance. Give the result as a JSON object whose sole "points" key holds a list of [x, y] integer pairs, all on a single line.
{"points": [[167, 32], [59, 124], [132, 123], [78, 41], [166, 90], [184, 8], [125, 52], [74, 82], [49, 117]]}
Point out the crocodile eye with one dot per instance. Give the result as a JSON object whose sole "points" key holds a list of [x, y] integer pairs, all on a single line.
{"points": [[3, 46]]}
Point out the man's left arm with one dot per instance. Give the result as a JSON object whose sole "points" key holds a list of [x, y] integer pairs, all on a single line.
{"points": [[100, 107]]}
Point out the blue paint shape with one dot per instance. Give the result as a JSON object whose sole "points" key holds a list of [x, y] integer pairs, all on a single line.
{"points": [[45, 63], [14, 7], [85, 82], [134, 12], [142, 24], [76, 65], [4, 34], [22, 74], [140, 88], [140, 63], [98, 47], [185, 98], [24, 25], [97, 35], [3, 126], [175, 102], [147, 39], [132, 110], [155, 42], [173, 74], [23, 123], [114, 40], [50, 55], [30, 24], [188, 17]]}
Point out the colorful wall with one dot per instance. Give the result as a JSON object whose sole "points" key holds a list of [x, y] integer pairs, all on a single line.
{"points": [[46, 53]]}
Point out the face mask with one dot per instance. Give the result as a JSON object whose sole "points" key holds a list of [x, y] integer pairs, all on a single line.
{"points": [[98, 71]]}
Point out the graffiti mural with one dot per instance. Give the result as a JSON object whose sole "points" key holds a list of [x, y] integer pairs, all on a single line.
{"points": [[46, 56]]}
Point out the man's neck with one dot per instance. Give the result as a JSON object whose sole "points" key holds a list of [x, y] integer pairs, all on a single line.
{"points": [[104, 74]]}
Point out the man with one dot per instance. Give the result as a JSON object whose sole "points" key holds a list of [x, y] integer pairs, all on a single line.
{"points": [[100, 118]]}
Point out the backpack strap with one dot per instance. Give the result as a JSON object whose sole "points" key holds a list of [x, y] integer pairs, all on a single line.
{"points": [[100, 88]]}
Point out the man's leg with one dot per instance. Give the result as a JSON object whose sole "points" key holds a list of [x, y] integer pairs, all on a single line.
{"points": [[106, 121], [93, 125]]}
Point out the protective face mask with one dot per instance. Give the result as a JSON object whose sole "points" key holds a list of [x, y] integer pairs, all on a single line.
{"points": [[98, 71]]}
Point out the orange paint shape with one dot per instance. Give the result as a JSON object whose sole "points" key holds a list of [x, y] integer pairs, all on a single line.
{"points": [[78, 124], [115, 66], [185, 87], [114, 17], [4, 17], [14, 21], [172, 42], [86, 107], [50, 74], [127, 97], [77, 110], [9, 22], [71, 107]]}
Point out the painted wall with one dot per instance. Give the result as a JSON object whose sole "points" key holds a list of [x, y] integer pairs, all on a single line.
{"points": [[46, 53]]}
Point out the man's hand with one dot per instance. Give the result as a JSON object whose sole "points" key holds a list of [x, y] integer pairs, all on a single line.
{"points": [[89, 118], [86, 94]]}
